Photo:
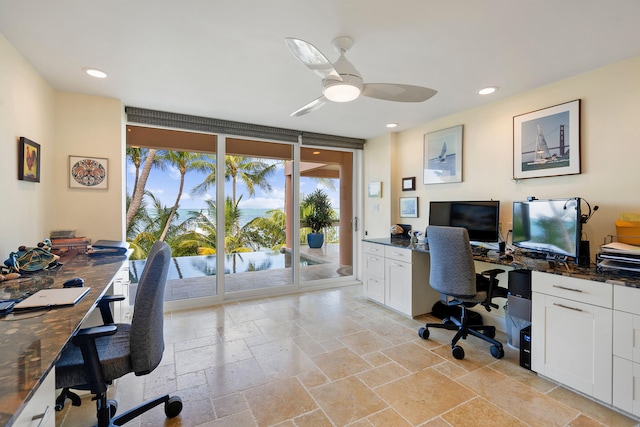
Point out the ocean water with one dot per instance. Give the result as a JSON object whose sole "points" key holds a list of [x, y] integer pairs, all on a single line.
{"points": [[246, 214]]}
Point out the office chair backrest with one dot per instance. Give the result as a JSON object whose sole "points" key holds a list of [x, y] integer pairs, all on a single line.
{"points": [[147, 339], [452, 271]]}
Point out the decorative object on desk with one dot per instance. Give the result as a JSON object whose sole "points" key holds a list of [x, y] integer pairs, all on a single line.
{"points": [[375, 189], [317, 215], [28, 160], [547, 142], [409, 184], [32, 259], [408, 207], [88, 172], [443, 156]]}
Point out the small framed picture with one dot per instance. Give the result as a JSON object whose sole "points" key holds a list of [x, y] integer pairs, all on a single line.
{"points": [[28, 160], [375, 189], [408, 207], [88, 172], [409, 184]]}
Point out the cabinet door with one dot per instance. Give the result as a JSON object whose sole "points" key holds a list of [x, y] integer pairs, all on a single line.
{"points": [[571, 343], [374, 277], [398, 286]]}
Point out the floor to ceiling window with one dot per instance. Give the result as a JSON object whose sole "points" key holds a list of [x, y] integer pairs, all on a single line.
{"points": [[230, 208]]}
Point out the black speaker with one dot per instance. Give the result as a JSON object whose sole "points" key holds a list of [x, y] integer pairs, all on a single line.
{"points": [[584, 254]]}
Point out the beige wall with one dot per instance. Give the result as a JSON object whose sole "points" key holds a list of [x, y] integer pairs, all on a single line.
{"points": [[610, 148], [89, 126], [26, 109], [63, 124]]}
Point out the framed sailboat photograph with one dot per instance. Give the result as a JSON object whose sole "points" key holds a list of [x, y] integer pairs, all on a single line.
{"points": [[547, 142]]}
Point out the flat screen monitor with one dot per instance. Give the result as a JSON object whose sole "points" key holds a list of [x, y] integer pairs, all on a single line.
{"points": [[549, 226], [480, 218]]}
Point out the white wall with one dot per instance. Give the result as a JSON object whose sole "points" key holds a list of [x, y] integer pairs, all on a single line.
{"points": [[610, 148], [26, 109]]}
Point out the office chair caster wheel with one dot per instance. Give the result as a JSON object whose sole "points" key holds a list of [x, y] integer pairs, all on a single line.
{"points": [[113, 407], [497, 352], [423, 333], [491, 333], [173, 407], [458, 352]]}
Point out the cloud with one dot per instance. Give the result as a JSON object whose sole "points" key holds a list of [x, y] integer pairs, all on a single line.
{"points": [[262, 203]]}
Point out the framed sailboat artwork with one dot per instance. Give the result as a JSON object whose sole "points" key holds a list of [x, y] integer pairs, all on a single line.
{"points": [[547, 142]]}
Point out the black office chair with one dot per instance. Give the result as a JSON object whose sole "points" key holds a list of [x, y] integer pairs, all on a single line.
{"points": [[98, 355], [452, 273]]}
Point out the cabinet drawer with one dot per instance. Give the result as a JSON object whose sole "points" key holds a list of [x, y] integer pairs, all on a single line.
{"points": [[373, 248], [571, 288], [397, 254], [626, 299]]}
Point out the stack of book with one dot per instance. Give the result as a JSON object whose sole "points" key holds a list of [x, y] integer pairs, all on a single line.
{"points": [[62, 245], [618, 256]]}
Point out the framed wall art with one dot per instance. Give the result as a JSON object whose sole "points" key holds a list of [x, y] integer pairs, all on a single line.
{"points": [[28, 160], [375, 189], [443, 156], [408, 207], [409, 184], [547, 142], [88, 172]]}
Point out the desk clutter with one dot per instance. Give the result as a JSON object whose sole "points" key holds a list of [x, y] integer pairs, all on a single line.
{"points": [[621, 253]]}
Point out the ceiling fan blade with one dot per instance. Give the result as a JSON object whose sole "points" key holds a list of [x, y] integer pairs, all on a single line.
{"points": [[310, 56], [312, 106], [396, 92]]}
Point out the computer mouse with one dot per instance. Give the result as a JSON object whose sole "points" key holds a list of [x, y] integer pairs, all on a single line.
{"points": [[76, 282]]}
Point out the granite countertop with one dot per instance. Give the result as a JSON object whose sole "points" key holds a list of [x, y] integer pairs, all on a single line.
{"points": [[523, 262], [30, 343]]}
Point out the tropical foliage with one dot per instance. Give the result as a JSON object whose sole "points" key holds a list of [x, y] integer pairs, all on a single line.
{"points": [[195, 233]]}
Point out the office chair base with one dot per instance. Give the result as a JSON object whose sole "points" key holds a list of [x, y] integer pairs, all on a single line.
{"points": [[485, 333], [107, 409]]}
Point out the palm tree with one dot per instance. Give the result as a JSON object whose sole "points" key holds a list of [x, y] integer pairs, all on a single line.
{"points": [[184, 161], [267, 232], [252, 172], [138, 193]]}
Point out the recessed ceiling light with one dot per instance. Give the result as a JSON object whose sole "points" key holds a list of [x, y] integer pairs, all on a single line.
{"points": [[94, 72], [488, 90], [392, 125]]}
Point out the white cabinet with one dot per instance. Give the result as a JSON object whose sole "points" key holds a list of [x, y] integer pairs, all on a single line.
{"points": [[398, 278], [122, 310], [571, 332], [626, 349], [40, 409]]}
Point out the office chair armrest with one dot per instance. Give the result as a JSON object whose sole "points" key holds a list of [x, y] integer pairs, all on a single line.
{"points": [[105, 309], [86, 340], [493, 285], [492, 273]]}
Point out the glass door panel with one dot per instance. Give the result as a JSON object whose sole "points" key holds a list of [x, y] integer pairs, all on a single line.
{"points": [[331, 173], [256, 187]]}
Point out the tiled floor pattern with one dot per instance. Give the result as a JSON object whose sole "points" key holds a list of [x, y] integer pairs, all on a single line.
{"points": [[332, 358]]}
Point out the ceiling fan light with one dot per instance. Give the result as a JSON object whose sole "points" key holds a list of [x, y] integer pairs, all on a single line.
{"points": [[341, 92]]}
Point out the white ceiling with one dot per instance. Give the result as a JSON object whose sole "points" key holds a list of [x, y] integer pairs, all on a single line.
{"points": [[227, 59]]}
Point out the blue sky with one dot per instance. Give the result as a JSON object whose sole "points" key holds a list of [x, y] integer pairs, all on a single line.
{"points": [[165, 185]]}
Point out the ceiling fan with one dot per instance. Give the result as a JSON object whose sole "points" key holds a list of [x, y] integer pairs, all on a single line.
{"points": [[342, 82]]}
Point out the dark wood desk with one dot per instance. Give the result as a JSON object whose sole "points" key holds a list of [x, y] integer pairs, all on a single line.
{"points": [[31, 343]]}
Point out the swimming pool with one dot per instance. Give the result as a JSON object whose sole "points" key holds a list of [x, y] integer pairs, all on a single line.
{"points": [[205, 265]]}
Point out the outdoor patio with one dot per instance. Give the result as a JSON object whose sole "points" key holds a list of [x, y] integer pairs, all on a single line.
{"points": [[196, 287]]}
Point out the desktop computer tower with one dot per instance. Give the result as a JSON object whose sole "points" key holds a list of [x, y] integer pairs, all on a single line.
{"points": [[525, 347], [519, 314]]}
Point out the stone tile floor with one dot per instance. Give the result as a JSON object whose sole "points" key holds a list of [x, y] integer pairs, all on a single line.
{"points": [[333, 358]]}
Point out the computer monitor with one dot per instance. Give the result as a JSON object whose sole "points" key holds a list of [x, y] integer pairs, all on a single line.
{"points": [[551, 226], [480, 218]]}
